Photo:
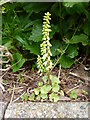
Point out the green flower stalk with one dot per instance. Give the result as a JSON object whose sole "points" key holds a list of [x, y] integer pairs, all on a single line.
{"points": [[45, 46]]}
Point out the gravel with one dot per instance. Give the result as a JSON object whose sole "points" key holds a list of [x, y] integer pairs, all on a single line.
{"points": [[46, 110]]}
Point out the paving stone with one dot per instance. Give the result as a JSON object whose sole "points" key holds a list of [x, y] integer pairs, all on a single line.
{"points": [[46, 110]]}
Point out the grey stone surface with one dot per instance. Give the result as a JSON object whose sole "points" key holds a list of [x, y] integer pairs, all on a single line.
{"points": [[46, 110]]}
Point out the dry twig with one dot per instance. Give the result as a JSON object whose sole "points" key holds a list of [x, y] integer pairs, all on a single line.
{"points": [[72, 89], [76, 75], [59, 72]]}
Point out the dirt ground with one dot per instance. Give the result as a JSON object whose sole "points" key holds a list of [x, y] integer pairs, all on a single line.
{"points": [[75, 78]]}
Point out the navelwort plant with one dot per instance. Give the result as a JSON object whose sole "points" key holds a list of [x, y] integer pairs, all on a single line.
{"points": [[48, 88], [44, 62]]}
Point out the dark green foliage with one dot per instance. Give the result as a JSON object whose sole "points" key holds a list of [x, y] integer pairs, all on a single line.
{"points": [[22, 29]]}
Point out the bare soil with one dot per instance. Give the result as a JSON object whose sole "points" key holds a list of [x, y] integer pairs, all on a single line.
{"points": [[75, 78]]}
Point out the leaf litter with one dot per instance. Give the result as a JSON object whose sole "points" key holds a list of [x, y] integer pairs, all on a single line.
{"points": [[73, 88]]}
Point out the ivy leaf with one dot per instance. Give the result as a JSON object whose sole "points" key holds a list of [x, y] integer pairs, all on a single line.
{"points": [[34, 48], [80, 38], [43, 96], [34, 7], [86, 27], [66, 61], [18, 60], [54, 79], [36, 34], [55, 46], [54, 97], [45, 89], [31, 97], [36, 90], [72, 51], [54, 9], [55, 88], [81, 8], [54, 29], [73, 95]]}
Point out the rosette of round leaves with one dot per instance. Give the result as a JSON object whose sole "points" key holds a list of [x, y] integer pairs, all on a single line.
{"points": [[45, 89]]}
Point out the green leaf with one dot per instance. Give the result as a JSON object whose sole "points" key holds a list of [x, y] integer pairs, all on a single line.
{"points": [[45, 89], [54, 29], [38, 98], [66, 61], [79, 38], [9, 45], [36, 35], [45, 78], [81, 8], [55, 88], [20, 39], [69, 4], [54, 97], [36, 90], [17, 62], [85, 92], [54, 9], [72, 51], [61, 93], [5, 81], [31, 97], [24, 97], [73, 95], [34, 48], [40, 84], [55, 47], [23, 42], [54, 79], [34, 7], [86, 27], [43, 96]]}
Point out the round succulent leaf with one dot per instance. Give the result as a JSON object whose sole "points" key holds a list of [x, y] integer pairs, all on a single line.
{"points": [[36, 90], [31, 97], [61, 93], [45, 89], [45, 78], [54, 79], [53, 97], [73, 95], [55, 88], [43, 96], [40, 84], [38, 97]]}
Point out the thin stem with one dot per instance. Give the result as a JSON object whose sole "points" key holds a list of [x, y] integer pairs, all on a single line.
{"points": [[49, 78]]}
